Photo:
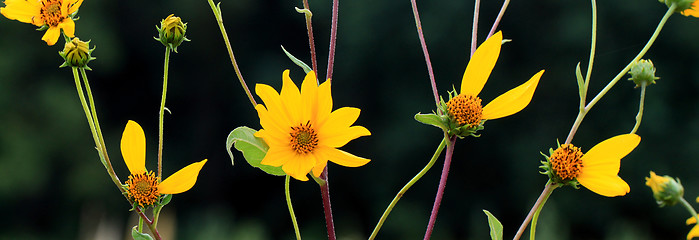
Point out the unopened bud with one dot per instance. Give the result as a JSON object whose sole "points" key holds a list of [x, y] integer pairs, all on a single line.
{"points": [[171, 32], [666, 190], [76, 53], [643, 73]]}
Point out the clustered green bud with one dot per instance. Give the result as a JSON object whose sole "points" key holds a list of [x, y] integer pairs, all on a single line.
{"points": [[172, 32], [77, 53], [643, 73], [681, 4], [666, 190]]}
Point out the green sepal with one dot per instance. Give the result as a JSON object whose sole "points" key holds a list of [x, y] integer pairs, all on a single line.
{"points": [[298, 62], [432, 119], [495, 226], [139, 235], [165, 199], [253, 148]]}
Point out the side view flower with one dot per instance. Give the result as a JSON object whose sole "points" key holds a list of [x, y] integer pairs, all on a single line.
{"points": [[466, 109], [144, 188], [55, 14], [302, 131], [597, 169], [693, 10]]}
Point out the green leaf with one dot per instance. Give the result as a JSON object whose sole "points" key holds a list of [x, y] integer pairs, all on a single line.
{"points": [[166, 199], [431, 119], [495, 226], [581, 85], [253, 148], [298, 62], [139, 235]]}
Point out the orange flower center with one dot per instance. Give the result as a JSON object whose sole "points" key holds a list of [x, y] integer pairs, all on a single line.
{"points": [[143, 188], [51, 12], [303, 138], [566, 162], [466, 109]]}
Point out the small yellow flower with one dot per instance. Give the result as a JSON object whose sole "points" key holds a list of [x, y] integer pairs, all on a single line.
{"points": [[597, 169], [302, 131], [52, 13], [694, 232], [466, 107], [693, 10], [144, 188]]}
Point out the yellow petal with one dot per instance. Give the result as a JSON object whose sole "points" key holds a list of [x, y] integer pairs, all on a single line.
{"points": [[299, 166], [693, 11], [321, 164], [691, 220], [74, 7], [340, 138], [23, 11], [271, 123], [481, 64], [276, 157], [341, 157], [512, 101], [181, 180], [325, 103], [68, 27], [291, 99], [133, 148], [51, 35], [272, 102], [604, 158], [309, 97], [339, 120], [693, 233], [605, 185]]}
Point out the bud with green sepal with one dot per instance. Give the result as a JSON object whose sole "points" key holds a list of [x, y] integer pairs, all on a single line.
{"points": [[77, 53], [643, 73], [171, 32], [666, 190], [682, 5]]}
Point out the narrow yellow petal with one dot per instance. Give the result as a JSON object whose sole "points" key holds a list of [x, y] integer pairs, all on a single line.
{"points": [[340, 138], [23, 11], [605, 185], [133, 148], [299, 166], [325, 103], [340, 157], [339, 120], [271, 123], [309, 97], [272, 102], [693, 233], [74, 7], [51, 35], [512, 101], [604, 157], [481, 64], [291, 99], [181, 180], [68, 27]]}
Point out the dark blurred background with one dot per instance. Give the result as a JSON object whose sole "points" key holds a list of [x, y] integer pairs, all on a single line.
{"points": [[52, 185]]}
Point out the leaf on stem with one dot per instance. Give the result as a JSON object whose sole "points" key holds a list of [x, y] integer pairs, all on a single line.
{"points": [[495, 226], [581, 85], [253, 148], [298, 62], [431, 119], [136, 235]]}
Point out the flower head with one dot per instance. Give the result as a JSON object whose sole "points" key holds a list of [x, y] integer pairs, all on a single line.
{"points": [[596, 170], [643, 73], [143, 187], [666, 190], [54, 14], [171, 32], [302, 131], [77, 53], [465, 108]]}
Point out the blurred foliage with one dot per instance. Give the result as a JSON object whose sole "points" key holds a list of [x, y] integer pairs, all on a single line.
{"points": [[52, 185]]}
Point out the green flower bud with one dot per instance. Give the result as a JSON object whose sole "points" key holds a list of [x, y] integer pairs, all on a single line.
{"points": [[666, 190], [643, 73], [172, 32], [76, 53], [681, 4]]}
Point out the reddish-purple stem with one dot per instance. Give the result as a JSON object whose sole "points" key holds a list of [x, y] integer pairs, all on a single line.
{"points": [[442, 185], [474, 30], [333, 40], [418, 24], [311, 42], [325, 192], [497, 20]]}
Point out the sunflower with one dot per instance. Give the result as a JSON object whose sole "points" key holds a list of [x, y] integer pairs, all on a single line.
{"points": [[144, 188], [55, 14], [302, 131], [466, 109], [597, 169]]}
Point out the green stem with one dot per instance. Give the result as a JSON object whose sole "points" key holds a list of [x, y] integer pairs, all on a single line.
{"points": [[618, 77], [88, 115], [406, 187], [689, 208], [639, 116], [593, 44], [534, 212], [161, 115], [140, 225], [291, 208], [219, 20]]}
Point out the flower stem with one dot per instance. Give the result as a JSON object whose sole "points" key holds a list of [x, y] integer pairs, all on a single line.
{"points": [[420, 35], [219, 20], [88, 114], [161, 115], [291, 208], [311, 42], [325, 193], [639, 116], [406, 187], [333, 41], [499, 17], [474, 29], [442, 185], [689, 208], [593, 46], [534, 212], [618, 77]]}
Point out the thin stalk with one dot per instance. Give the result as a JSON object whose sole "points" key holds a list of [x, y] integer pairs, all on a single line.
{"points": [[474, 29], [161, 115], [420, 35], [219, 20], [499, 17], [593, 46], [689, 208], [548, 189], [291, 208], [333, 41], [442, 185], [639, 116], [86, 109], [311, 42], [325, 194], [148, 222], [618, 77], [406, 187]]}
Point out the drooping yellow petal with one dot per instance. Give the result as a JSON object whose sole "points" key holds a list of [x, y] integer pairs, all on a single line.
{"points": [[291, 99], [299, 166], [605, 185], [68, 27], [133, 148], [51, 35], [341, 157], [309, 97], [23, 11], [481, 64], [512, 101], [605, 157], [340, 138], [181, 180], [693, 233]]}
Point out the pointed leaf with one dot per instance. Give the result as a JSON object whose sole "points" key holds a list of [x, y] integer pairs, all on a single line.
{"points": [[139, 235], [431, 119], [581, 85], [495, 226], [253, 148], [298, 62]]}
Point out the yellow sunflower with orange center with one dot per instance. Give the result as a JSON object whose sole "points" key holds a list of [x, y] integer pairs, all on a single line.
{"points": [[55, 14]]}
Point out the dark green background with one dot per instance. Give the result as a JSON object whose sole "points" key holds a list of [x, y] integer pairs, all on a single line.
{"points": [[52, 185]]}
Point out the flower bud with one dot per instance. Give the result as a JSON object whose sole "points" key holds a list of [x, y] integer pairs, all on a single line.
{"points": [[172, 32], [76, 53], [682, 5], [643, 73], [666, 190]]}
